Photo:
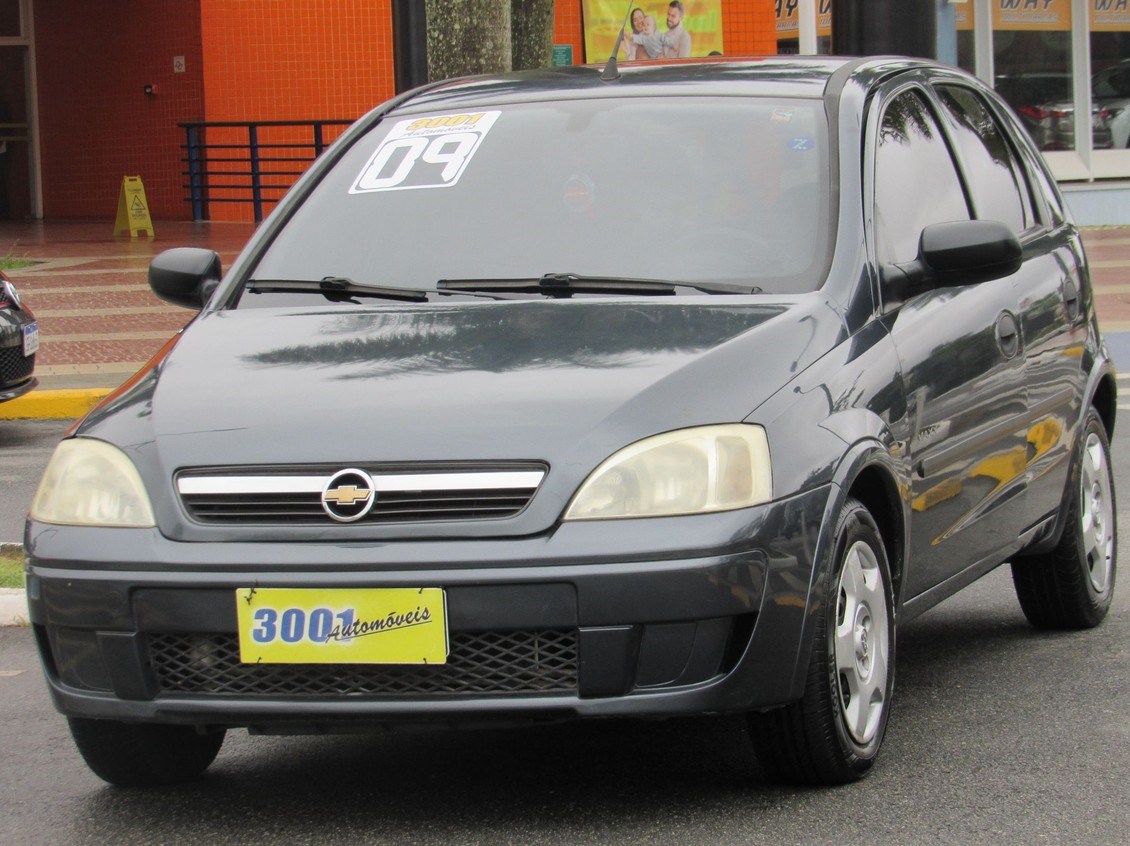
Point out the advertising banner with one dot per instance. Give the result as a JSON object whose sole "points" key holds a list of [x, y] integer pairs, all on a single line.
{"points": [[1032, 15], [1110, 15], [963, 17], [788, 19], [656, 29]]}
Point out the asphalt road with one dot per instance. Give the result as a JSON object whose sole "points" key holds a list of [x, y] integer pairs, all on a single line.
{"points": [[999, 735], [25, 446]]}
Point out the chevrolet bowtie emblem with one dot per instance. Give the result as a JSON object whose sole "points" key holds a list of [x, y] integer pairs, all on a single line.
{"points": [[348, 495]]}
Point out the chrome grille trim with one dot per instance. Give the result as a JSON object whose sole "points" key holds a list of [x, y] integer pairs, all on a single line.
{"points": [[404, 493], [393, 483]]}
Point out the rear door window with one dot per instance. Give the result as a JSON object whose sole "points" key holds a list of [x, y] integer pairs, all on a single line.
{"points": [[995, 179]]}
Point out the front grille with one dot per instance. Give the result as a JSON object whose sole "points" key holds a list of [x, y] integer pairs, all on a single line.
{"points": [[15, 367], [481, 664], [277, 496]]}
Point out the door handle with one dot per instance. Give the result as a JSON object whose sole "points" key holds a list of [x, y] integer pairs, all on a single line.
{"points": [[1008, 335], [1071, 298]]}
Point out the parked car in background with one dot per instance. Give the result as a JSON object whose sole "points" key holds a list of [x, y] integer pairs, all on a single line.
{"points": [[19, 341], [1046, 108], [577, 393], [1111, 90]]}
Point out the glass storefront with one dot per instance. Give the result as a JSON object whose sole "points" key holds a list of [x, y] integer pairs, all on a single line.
{"points": [[1063, 65], [1032, 67], [1109, 25]]}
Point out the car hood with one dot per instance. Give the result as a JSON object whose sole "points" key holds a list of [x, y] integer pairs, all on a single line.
{"points": [[565, 383]]}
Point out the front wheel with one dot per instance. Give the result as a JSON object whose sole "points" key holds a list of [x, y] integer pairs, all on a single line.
{"points": [[144, 754], [1071, 586], [833, 734]]}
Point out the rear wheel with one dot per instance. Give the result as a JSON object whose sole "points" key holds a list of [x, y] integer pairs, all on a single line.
{"points": [[1071, 586], [833, 734], [144, 754]]}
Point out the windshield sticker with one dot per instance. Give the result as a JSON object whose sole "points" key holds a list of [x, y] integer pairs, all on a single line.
{"points": [[425, 152]]}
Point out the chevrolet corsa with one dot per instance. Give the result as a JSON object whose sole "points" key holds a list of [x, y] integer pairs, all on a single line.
{"points": [[672, 390]]}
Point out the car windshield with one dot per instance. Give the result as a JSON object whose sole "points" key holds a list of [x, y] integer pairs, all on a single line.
{"points": [[713, 191]]}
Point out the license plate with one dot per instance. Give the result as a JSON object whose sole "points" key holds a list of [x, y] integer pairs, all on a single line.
{"points": [[31, 339], [342, 625]]}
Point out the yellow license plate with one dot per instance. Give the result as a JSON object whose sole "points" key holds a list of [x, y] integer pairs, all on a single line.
{"points": [[342, 626]]}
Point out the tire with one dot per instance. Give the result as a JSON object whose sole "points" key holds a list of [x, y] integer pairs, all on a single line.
{"points": [[144, 754], [833, 734], [1071, 586]]}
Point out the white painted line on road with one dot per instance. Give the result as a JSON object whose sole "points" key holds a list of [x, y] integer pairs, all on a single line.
{"points": [[86, 289], [7, 674], [1091, 243], [34, 273], [82, 369], [108, 336], [102, 312]]}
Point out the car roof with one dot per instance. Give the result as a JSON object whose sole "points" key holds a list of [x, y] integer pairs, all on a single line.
{"points": [[775, 76]]}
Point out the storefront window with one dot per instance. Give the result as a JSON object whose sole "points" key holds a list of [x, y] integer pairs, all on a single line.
{"points": [[966, 41], [10, 18], [1110, 72], [1032, 61], [788, 26]]}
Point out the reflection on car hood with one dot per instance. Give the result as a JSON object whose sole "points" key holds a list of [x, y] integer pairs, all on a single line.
{"points": [[518, 380]]}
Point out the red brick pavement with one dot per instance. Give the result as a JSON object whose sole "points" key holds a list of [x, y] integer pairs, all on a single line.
{"points": [[99, 321]]}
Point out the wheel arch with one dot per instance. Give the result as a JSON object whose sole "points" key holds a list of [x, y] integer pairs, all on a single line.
{"points": [[1104, 397], [876, 487], [869, 473]]}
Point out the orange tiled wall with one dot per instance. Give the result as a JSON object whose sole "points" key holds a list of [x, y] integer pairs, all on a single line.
{"points": [[288, 60], [749, 27], [97, 125], [245, 60]]}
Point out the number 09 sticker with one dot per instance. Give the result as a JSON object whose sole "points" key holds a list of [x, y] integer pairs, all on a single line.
{"points": [[425, 152]]}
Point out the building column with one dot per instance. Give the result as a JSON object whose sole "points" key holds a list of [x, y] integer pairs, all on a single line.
{"points": [[885, 27]]}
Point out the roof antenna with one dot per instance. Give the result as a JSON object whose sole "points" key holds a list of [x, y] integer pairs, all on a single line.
{"points": [[611, 72]]}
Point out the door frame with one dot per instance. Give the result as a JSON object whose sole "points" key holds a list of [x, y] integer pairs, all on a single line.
{"points": [[26, 41]]}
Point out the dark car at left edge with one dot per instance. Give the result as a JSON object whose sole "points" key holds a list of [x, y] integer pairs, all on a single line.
{"points": [[19, 342], [666, 390]]}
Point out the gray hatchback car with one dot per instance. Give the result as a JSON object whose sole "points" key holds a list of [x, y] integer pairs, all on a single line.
{"points": [[662, 391]]}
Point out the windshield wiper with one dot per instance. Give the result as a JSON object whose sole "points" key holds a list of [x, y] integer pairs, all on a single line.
{"points": [[336, 289], [564, 285]]}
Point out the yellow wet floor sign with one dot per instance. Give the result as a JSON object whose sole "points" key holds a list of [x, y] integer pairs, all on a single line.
{"points": [[133, 210]]}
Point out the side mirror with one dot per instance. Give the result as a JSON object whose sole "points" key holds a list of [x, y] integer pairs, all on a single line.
{"points": [[962, 252], [968, 251], [185, 276]]}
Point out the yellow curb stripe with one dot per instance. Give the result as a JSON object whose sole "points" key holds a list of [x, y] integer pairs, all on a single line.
{"points": [[62, 405]]}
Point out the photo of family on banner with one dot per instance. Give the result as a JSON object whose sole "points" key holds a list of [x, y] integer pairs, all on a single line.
{"points": [[667, 29]]}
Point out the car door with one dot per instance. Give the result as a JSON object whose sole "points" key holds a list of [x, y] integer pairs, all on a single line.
{"points": [[1005, 185], [961, 353]]}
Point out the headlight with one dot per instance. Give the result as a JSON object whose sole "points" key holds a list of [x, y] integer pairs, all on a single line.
{"points": [[690, 471], [91, 483], [9, 296]]}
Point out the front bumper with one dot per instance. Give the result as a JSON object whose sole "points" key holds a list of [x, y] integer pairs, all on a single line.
{"points": [[649, 617]]}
